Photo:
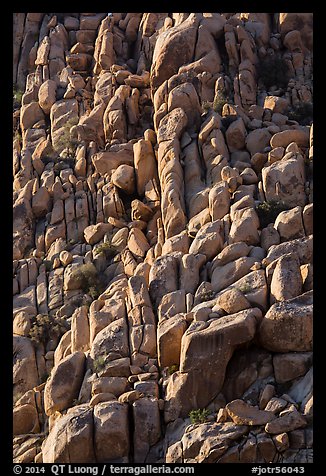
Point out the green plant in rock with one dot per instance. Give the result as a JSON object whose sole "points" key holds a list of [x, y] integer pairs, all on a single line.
{"points": [[206, 296], [17, 96], [76, 401], [198, 416], [106, 249], [273, 71], [65, 141], [268, 211], [173, 368], [245, 288], [220, 100], [17, 397], [99, 363], [45, 328], [89, 279], [302, 113]]}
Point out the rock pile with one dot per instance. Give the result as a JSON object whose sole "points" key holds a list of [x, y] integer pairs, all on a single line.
{"points": [[162, 241]]}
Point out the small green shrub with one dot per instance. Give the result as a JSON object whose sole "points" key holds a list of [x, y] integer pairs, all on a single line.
{"points": [[17, 96], [17, 397], [217, 105], [66, 142], [76, 401], [89, 279], [268, 211], [220, 100], [206, 296], [48, 264], [106, 249], [273, 71], [99, 363], [302, 113], [173, 368], [245, 288], [198, 416], [45, 327]]}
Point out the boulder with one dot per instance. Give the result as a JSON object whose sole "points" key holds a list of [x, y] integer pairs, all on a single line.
{"points": [[147, 429], [174, 48], [64, 384], [289, 366], [209, 240], [111, 431], [25, 373], [285, 423], [257, 140], [25, 420], [285, 181], [229, 273], [200, 379], [289, 224], [163, 277], [71, 438], [284, 138], [236, 135], [169, 335], [124, 178], [287, 325], [286, 280], [244, 414]]}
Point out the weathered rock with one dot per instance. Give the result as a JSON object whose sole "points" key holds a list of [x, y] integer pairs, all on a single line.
{"points": [[71, 438], [289, 224], [25, 374], [291, 365], [47, 95], [286, 280], [227, 274], [64, 384], [199, 379], [163, 278], [244, 414], [111, 431], [287, 326], [169, 335], [146, 416], [284, 138], [209, 240], [233, 301], [124, 178], [236, 135], [94, 233], [284, 181], [25, 420], [288, 422]]}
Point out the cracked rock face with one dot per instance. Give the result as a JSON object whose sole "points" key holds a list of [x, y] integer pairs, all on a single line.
{"points": [[162, 237]]}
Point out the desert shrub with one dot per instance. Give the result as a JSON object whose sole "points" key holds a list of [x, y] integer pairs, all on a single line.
{"points": [[45, 328], [219, 100], [217, 105], [89, 279], [106, 249], [173, 368], [268, 211], [206, 296], [273, 71], [99, 363], [245, 288], [198, 416], [302, 113], [17, 96], [17, 397], [65, 141]]}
